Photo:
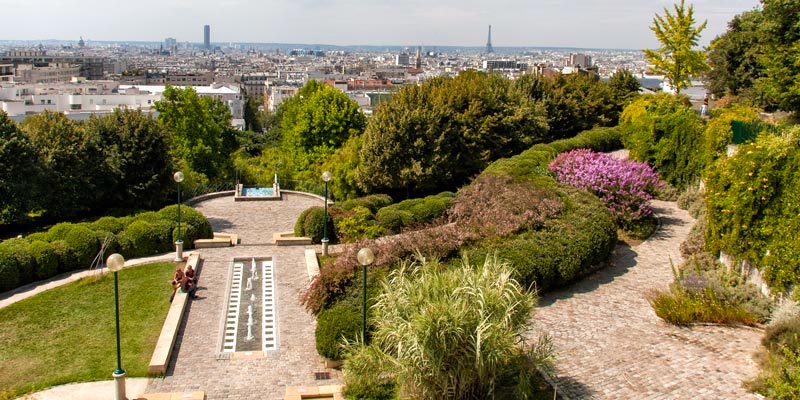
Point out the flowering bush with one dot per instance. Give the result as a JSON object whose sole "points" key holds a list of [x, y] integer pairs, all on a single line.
{"points": [[626, 187]]}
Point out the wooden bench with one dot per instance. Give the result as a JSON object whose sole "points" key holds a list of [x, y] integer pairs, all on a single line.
{"points": [[169, 332]]}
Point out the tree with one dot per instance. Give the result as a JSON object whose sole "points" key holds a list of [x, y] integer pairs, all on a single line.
{"points": [[450, 333], [200, 130], [137, 165], [19, 173], [734, 58], [781, 52], [252, 118], [624, 88], [436, 136], [676, 59], [314, 123]]}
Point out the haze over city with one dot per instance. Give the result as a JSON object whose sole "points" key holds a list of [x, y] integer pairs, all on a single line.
{"points": [[541, 23]]}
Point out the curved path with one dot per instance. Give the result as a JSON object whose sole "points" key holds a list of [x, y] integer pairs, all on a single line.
{"points": [[611, 345]]}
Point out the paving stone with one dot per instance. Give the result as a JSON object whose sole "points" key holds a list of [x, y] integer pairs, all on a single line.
{"points": [[611, 345]]}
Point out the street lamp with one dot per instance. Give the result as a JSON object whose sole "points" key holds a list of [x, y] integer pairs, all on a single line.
{"points": [[326, 176], [178, 176], [115, 262], [365, 257]]}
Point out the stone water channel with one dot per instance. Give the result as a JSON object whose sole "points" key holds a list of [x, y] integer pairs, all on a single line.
{"points": [[251, 314]]}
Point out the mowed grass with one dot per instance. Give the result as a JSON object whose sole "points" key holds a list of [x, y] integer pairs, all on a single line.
{"points": [[67, 334]]}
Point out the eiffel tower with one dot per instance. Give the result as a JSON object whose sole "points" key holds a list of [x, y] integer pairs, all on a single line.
{"points": [[489, 48]]}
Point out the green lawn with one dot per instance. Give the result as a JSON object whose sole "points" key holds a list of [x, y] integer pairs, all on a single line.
{"points": [[67, 334]]}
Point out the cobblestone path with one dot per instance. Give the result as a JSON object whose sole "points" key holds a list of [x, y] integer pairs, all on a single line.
{"points": [[195, 364], [611, 345]]}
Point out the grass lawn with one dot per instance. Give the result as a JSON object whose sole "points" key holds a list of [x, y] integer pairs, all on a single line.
{"points": [[67, 334]]}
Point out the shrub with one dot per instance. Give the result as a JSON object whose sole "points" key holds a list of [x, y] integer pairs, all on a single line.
{"points": [[112, 245], [189, 217], [785, 332], [314, 226], [780, 376], [126, 246], [682, 307], [695, 242], [394, 220], [83, 243], [20, 248], [109, 224], [42, 236], [59, 231], [372, 202], [144, 237], [626, 187], [363, 380], [335, 326], [299, 225], [64, 254], [9, 269], [355, 225], [46, 260]]}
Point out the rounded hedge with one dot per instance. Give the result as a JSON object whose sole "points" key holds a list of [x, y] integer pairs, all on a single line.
{"points": [[59, 231], [46, 259], [83, 243], [42, 236], [372, 202], [26, 264], [112, 246], [125, 245], [64, 254], [394, 220], [189, 216], [9, 269], [299, 225], [313, 225], [334, 325], [144, 238], [109, 224]]}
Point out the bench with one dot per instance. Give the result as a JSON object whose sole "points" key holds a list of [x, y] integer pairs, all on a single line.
{"points": [[169, 332], [333, 392], [288, 239], [195, 395], [220, 239]]}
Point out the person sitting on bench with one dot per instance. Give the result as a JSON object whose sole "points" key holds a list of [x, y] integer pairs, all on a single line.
{"points": [[178, 277], [190, 273], [188, 287]]}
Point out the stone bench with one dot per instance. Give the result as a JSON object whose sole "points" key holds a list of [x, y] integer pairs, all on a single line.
{"points": [[196, 395], [220, 239], [169, 332], [333, 392], [288, 239]]}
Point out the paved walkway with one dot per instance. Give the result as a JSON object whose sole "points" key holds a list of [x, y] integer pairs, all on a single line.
{"points": [[195, 364], [611, 345]]}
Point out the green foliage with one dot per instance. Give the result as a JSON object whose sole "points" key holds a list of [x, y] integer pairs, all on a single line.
{"points": [[663, 131], [314, 225], [679, 35], [363, 381], [753, 203], [64, 255], [9, 269], [194, 225], [624, 88], [734, 58], [19, 173], [144, 237], [394, 220], [453, 331], [26, 263], [780, 38], [681, 307], [372, 202], [356, 224], [336, 326], [719, 132], [299, 225], [200, 130], [109, 224], [45, 258], [83, 243], [411, 212], [439, 134], [315, 122]]}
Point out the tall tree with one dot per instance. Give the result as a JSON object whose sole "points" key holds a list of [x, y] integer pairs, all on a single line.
{"points": [[734, 57], [200, 130], [19, 160], [678, 34], [781, 53]]}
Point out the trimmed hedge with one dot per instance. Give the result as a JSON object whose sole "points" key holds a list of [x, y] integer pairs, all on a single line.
{"points": [[411, 212], [335, 325], [68, 246], [372, 202], [312, 225]]}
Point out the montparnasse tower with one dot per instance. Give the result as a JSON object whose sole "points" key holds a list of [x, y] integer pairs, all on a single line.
{"points": [[489, 48]]}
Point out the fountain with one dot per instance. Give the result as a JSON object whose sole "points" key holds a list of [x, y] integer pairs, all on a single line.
{"points": [[242, 334]]}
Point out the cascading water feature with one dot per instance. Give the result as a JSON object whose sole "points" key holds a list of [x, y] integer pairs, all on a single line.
{"points": [[251, 305]]}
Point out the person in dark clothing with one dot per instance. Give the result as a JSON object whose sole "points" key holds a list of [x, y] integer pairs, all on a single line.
{"points": [[188, 287]]}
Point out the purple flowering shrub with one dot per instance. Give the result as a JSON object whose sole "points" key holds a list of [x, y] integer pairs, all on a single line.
{"points": [[625, 187]]}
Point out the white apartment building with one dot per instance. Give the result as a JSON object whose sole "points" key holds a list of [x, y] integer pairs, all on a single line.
{"points": [[80, 97]]}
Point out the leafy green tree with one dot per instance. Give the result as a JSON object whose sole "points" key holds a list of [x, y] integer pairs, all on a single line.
{"points": [[314, 123], [436, 136], [781, 52], [200, 130], [676, 59], [69, 158], [734, 58], [137, 165], [19, 173], [624, 89], [252, 119]]}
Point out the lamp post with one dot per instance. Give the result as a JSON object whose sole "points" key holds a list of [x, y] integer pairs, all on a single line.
{"points": [[115, 262], [326, 176], [178, 176], [365, 258]]}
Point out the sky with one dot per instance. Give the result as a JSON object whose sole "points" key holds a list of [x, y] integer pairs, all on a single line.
{"points": [[622, 24]]}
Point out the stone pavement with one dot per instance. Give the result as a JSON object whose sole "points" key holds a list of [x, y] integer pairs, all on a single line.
{"points": [[195, 364], [611, 345]]}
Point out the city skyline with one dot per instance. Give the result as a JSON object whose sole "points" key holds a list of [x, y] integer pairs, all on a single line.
{"points": [[622, 24]]}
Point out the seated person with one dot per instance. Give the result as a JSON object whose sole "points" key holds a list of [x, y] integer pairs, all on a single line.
{"points": [[178, 277], [188, 287], [190, 273]]}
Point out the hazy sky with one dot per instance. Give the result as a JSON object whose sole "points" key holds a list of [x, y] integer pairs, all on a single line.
{"points": [[567, 23]]}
